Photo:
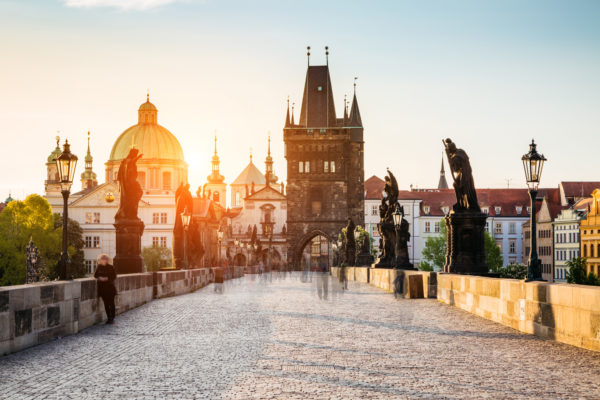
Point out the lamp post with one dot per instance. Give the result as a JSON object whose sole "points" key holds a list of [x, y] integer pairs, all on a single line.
{"points": [[248, 246], [65, 163], [533, 163], [220, 235], [186, 217], [397, 215]]}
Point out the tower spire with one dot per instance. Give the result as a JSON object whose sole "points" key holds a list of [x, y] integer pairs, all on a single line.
{"points": [[308, 55], [88, 176], [287, 116], [327, 55], [293, 104], [442, 184], [215, 142], [215, 176], [345, 108], [355, 119], [269, 176]]}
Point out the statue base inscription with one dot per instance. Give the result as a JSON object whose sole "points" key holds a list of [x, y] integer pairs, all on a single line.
{"points": [[128, 259], [465, 253]]}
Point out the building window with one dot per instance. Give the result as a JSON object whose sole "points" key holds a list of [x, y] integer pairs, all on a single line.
{"points": [[96, 242], [519, 210], [499, 244], [498, 210], [159, 241], [163, 217], [155, 218], [512, 228], [301, 167], [332, 167], [436, 227], [163, 241], [498, 228], [374, 210], [426, 210], [427, 226], [486, 210], [90, 266], [307, 167], [325, 166], [512, 247], [166, 180], [88, 242], [238, 199], [445, 210]]}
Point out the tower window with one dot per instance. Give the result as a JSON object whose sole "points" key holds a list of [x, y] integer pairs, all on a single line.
{"points": [[332, 166], [325, 166], [301, 166], [307, 166], [320, 88], [166, 180]]}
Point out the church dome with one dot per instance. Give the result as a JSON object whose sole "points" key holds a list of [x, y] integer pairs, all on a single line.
{"points": [[55, 153], [152, 140]]}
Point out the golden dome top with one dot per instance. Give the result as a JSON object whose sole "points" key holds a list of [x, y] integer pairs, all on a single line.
{"points": [[151, 139]]}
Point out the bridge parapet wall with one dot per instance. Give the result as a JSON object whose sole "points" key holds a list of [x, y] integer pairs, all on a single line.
{"points": [[564, 312], [39, 312]]}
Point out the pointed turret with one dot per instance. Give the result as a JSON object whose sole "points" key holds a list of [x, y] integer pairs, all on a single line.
{"points": [[442, 183], [293, 123], [345, 110], [88, 176], [355, 119], [317, 110], [287, 116]]}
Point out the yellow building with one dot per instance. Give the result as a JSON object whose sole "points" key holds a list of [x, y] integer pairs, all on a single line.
{"points": [[590, 234]]}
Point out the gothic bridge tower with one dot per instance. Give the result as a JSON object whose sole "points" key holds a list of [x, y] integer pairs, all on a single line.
{"points": [[325, 164]]}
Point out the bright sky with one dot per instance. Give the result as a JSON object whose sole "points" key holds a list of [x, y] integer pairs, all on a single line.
{"points": [[490, 75]]}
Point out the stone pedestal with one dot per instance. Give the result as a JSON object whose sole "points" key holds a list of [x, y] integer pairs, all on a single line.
{"points": [[128, 259], [465, 252]]}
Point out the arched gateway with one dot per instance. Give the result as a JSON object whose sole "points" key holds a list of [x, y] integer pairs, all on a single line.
{"points": [[325, 164]]}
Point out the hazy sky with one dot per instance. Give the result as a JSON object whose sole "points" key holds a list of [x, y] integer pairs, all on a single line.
{"points": [[490, 75]]}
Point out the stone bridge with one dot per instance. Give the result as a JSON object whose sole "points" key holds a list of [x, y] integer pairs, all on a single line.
{"points": [[294, 336]]}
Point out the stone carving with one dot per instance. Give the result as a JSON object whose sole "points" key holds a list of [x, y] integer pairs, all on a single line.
{"points": [[33, 259], [131, 191], [365, 257], [129, 227], [350, 243], [464, 186], [465, 249], [387, 232]]}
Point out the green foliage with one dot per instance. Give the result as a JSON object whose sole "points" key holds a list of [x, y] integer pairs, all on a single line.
{"points": [[362, 233], [425, 266], [434, 252], [513, 271], [156, 257], [577, 273], [493, 255], [33, 218]]}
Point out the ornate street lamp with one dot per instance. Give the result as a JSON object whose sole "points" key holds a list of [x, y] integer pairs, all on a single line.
{"points": [[220, 235], [186, 218], [533, 163], [397, 217], [65, 164]]}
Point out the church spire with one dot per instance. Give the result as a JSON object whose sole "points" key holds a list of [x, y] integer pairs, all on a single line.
{"points": [[215, 176], [442, 183], [292, 122], [269, 176], [88, 176], [345, 109]]}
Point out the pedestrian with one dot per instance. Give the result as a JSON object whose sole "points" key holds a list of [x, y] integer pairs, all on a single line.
{"points": [[106, 275]]}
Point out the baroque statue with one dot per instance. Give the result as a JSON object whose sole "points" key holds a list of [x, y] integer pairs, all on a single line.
{"points": [[131, 191], [129, 227], [183, 201], [464, 186], [402, 239], [386, 228], [350, 243]]}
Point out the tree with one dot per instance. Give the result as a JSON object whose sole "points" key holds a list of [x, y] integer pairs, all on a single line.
{"points": [[434, 252], [513, 271], [359, 241], [493, 256], [156, 257], [33, 218], [577, 273], [425, 266]]}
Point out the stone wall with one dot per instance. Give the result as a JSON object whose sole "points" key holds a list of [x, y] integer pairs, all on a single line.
{"points": [[39, 312], [559, 311], [563, 312]]}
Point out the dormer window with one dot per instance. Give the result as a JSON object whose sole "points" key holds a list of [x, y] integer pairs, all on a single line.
{"points": [[426, 210], [498, 210], [485, 210], [528, 210], [519, 209], [445, 210]]}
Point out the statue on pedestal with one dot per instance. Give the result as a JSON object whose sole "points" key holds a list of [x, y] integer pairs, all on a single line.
{"points": [[386, 228], [465, 249], [350, 243], [129, 227]]}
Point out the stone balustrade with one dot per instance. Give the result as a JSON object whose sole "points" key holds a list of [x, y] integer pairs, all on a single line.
{"points": [[559, 311], [36, 313]]}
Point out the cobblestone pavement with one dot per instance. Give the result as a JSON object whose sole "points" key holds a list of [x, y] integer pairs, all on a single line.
{"points": [[269, 337]]}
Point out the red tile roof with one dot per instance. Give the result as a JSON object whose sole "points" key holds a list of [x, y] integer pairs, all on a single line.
{"points": [[579, 189], [507, 199], [373, 188]]}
